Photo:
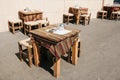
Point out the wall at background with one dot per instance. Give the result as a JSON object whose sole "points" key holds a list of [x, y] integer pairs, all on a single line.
{"points": [[53, 9]]}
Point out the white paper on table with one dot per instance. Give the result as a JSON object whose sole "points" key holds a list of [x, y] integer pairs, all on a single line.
{"points": [[61, 32]]}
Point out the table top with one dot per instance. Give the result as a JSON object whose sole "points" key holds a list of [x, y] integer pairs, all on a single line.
{"points": [[51, 37], [115, 5], [30, 12]]}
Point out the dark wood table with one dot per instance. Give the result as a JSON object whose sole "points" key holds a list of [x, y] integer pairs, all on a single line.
{"points": [[57, 44], [77, 12], [33, 15], [110, 9]]}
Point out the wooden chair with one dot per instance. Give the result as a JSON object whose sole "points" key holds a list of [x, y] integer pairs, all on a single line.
{"points": [[77, 15], [85, 18], [43, 23], [70, 51], [31, 25], [115, 15], [68, 17], [102, 14], [29, 55], [14, 24]]}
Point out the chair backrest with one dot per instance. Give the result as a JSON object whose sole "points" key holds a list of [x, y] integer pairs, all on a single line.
{"points": [[71, 10]]}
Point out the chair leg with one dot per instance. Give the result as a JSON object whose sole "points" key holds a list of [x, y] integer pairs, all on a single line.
{"points": [[29, 56], [20, 51], [68, 20], [25, 29], [69, 56], [79, 48]]}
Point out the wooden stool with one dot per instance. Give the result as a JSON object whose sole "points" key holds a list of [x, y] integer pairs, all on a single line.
{"points": [[85, 18], [114, 16], [26, 43], [102, 14], [14, 24], [67, 17], [31, 25], [43, 23]]}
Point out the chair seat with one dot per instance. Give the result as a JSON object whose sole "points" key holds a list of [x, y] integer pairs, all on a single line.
{"points": [[42, 21], [15, 20], [25, 42], [114, 12], [68, 14], [84, 15], [31, 23], [118, 13], [102, 11]]}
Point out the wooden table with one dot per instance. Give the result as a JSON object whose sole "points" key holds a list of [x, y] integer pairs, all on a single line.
{"points": [[57, 44], [26, 16], [77, 12], [110, 9]]}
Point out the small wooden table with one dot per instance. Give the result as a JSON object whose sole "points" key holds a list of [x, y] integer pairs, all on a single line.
{"points": [[110, 9], [77, 12], [26, 16], [57, 44]]}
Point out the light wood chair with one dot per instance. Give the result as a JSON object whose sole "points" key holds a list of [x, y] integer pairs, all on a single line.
{"points": [[68, 16], [115, 15], [31, 25], [85, 18], [43, 23], [102, 14], [29, 55], [14, 24]]}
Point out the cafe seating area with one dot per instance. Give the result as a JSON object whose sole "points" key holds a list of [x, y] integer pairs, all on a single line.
{"points": [[97, 52], [59, 40], [70, 42], [15, 24], [110, 12], [77, 15]]}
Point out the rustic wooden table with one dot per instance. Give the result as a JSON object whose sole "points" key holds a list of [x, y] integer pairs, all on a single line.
{"points": [[57, 44]]}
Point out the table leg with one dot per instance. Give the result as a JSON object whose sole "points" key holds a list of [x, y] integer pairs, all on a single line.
{"points": [[57, 68], [75, 52], [36, 56]]}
